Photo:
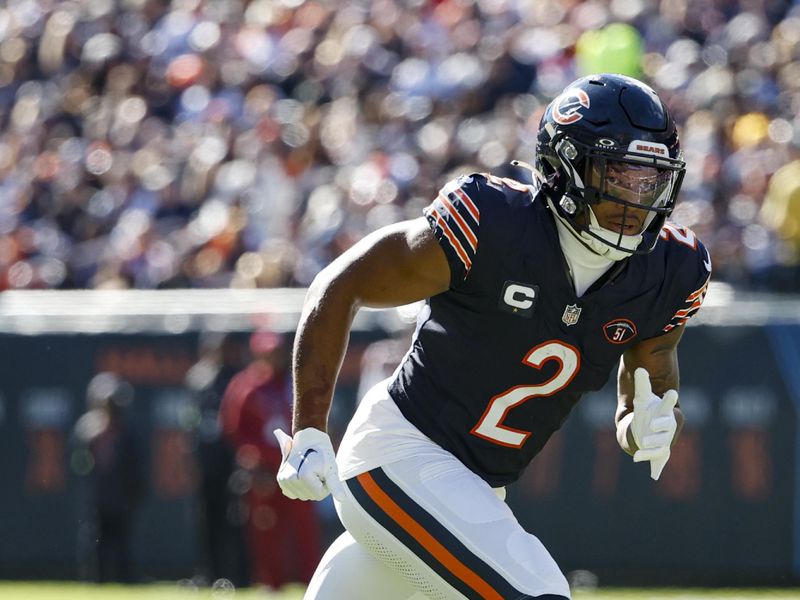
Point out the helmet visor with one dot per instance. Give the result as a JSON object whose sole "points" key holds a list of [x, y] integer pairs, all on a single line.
{"points": [[629, 193], [632, 183]]}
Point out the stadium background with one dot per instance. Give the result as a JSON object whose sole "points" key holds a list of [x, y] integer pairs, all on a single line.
{"points": [[157, 146]]}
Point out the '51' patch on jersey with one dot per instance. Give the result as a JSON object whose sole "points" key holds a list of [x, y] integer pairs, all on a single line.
{"points": [[620, 331]]}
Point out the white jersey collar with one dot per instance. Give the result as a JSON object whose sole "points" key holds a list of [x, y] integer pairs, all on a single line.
{"points": [[585, 266]]}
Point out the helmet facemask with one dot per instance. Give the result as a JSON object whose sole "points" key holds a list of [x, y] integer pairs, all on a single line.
{"points": [[634, 189]]}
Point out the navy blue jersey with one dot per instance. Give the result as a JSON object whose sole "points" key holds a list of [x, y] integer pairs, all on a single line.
{"points": [[500, 359]]}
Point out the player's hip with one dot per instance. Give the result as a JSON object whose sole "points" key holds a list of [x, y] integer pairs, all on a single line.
{"points": [[431, 518]]}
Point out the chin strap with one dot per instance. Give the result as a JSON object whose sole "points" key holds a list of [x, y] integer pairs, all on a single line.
{"points": [[537, 176], [592, 243], [628, 242]]}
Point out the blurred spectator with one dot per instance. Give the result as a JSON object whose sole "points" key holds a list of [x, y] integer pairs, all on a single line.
{"points": [[195, 143], [108, 451], [781, 210], [223, 554], [283, 534], [380, 359], [781, 215]]}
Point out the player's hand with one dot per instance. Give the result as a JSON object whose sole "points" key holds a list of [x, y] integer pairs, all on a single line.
{"points": [[308, 468], [653, 425]]}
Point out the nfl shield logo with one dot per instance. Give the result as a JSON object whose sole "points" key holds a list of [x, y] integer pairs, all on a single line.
{"points": [[571, 314]]}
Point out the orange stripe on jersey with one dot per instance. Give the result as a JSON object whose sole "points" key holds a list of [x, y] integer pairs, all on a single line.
{"points": [[696, 298], [462, 254], [469, 204], [700, 291], [431, 544], [686, 311], [462, 224]]}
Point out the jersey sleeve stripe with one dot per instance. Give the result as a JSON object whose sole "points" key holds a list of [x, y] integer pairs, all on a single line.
{"points": [[682, 316], [689, 311], [469, 205], [460, 197], [451, 237], [699, 292], [462, 224]]}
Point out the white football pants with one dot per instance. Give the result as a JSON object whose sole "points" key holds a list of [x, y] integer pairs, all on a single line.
{"points": [[348, 570], [427, 528]]}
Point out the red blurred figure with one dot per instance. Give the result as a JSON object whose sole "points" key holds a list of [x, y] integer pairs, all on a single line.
{"points": [[283, 535]]}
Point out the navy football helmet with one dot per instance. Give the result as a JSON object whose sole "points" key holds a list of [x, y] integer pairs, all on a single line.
{"points": [[610, 138]]}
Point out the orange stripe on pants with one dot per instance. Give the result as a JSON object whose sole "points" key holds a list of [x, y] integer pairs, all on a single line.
{"points": [[431, 544]]}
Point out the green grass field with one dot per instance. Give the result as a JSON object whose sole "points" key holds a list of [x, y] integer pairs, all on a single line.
{"points": [[79, 591]]}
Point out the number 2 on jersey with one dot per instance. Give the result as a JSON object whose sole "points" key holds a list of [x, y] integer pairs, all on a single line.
{"points": [[491, 427]]}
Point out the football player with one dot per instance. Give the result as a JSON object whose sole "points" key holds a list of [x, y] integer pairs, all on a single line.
{"points": [[534, 294]]}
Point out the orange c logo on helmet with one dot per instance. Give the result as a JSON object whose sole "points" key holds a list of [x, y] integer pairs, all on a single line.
{"points": [[566, 108]]}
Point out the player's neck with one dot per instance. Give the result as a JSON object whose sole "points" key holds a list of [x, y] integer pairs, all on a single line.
{"points": [[585, 266]]}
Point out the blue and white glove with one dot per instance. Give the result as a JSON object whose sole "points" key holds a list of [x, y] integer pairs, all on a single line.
{"points": [[308, 468], [653, 425]]}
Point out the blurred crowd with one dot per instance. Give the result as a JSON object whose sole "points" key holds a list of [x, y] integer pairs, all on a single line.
{"points": [[216, 143]]}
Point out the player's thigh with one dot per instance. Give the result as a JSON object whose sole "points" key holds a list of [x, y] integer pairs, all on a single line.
{"points": [[445, 530], [348, 570]]}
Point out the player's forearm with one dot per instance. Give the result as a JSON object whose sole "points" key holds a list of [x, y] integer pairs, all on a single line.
{"points": [[624, 436], [319, 349], [624, 415], [679, 420]]}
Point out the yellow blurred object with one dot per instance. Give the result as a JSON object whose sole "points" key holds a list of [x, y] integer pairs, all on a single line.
{"points": [[750, 130], [781, 209]]}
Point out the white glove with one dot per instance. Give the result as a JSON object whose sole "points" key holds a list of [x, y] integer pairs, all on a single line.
{"points": [[308, 468], [653, 425]]}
